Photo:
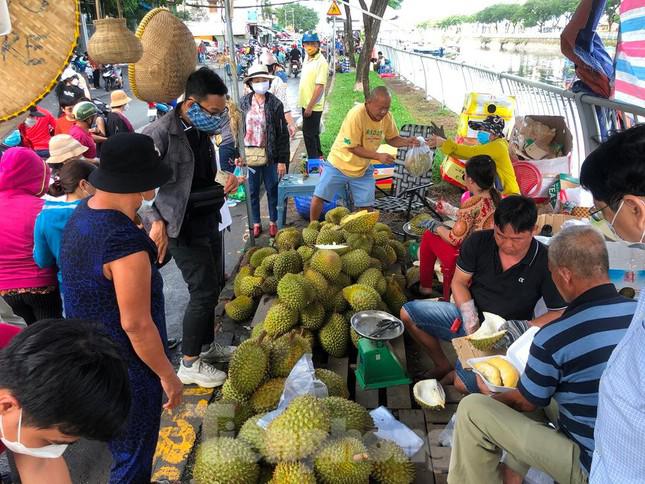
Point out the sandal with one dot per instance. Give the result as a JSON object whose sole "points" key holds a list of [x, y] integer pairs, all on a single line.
{"points": [[257, 230], [273, 229]]}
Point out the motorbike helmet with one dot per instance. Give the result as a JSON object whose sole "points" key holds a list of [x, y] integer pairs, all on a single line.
{"points": [[84, 110], [310, 37]]}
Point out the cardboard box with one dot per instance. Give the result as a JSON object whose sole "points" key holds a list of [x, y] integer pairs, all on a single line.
{"points": [[555, 220], [465, 351]]}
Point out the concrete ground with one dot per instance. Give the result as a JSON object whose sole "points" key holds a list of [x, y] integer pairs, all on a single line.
{"points": [[89, 462]]}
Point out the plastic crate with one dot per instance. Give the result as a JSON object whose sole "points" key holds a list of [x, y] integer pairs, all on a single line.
{"points": [[314, 165], [303, 204]]}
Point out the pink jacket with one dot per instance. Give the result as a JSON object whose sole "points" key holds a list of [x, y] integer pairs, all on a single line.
{"points": [[24, 178]]}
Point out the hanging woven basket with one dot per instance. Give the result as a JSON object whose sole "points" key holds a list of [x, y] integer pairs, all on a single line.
{"points": [[169, 57], [113, 43]]}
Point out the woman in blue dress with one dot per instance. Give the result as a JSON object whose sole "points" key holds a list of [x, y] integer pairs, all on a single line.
{"points": [[109, 276]]}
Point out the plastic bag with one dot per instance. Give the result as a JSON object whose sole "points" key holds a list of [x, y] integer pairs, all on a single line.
{"points": [[418, 160], [240, 194], [301, 381], [389, 428], [445, 437]]}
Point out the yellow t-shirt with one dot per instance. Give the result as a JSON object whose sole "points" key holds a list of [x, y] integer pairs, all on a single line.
{"points": [[314, 71], [358, 129], [497, 150]]}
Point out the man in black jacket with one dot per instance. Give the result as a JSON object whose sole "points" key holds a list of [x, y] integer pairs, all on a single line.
{"points": [[186, 213]]}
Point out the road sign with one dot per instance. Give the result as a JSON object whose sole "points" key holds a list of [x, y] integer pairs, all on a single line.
{"points": [[333, 11]]}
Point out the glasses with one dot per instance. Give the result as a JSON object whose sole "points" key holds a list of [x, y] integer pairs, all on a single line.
{"points": [[597, 214], [212, 115]]}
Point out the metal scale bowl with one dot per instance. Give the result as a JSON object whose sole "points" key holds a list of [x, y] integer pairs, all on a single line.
{"points": [[378, 366]]}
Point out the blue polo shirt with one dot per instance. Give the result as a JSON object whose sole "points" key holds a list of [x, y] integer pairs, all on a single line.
{"points": [[567, 358]]}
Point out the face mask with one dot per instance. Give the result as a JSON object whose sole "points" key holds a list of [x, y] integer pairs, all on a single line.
{"points": [[311, 51], [74, 82], [47, 452], [483, 137], [30, 122], [261, 87], [611, 226], [202, 121], [126, 107], [147, 203]]}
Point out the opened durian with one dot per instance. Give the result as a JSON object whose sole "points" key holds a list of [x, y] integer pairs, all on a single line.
{"points": [[490, 373], [507, 371], [488, 333], [429, 394]]}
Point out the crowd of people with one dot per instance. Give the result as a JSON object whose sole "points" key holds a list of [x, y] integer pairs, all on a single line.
{"points": [[92, 211]]}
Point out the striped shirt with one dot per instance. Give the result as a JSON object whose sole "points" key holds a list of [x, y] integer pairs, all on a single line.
{"points": [[567, 358], [619, 457]]}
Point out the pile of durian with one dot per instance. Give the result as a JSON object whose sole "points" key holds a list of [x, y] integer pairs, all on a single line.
{"points": [[318, 290], [327, 440]]}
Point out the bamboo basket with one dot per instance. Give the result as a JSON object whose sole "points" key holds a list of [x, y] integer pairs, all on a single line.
{"points": [[169, 57], [113, 43]]}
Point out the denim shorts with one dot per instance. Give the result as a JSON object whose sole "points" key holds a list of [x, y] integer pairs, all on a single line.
{"points": [[333, 181], [436, 318]]}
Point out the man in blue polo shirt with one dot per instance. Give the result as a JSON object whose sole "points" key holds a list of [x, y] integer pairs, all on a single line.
{"points": [[567, 358]]}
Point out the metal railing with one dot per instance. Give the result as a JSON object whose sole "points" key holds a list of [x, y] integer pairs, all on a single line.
{"points": [[590, 119]]}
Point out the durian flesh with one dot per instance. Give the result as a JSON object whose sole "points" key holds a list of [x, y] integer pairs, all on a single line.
{"points": [[488, 333]]}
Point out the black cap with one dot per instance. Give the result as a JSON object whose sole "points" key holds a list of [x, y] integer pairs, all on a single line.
{"points": [[33, 111], [493, 124], [130, 163]]}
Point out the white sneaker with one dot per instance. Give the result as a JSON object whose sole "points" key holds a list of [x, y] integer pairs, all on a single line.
{"points": [[217, 353], [201, 373]]}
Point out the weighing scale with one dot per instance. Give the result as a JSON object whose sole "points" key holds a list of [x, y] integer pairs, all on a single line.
{"points": [[378, 366]]}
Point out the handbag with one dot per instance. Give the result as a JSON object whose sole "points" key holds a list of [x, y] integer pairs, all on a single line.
{"points": [[255, 156]]}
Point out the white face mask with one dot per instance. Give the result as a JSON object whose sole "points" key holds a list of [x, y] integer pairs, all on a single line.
{"points": [[52, 451], [611, 226], [147, 203], [30, 122], [74, 82], [261, 87]]}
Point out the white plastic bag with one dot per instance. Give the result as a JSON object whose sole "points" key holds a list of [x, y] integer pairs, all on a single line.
{"points": [[301, 381], [418, 160], [389, 428]]}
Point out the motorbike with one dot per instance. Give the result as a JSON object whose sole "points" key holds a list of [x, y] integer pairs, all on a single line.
{"points": [[112, 77], [157, 110], [243, 66], [294, 67]]}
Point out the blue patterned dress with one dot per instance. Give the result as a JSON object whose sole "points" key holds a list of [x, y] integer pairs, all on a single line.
{"points": [[93, 238]]}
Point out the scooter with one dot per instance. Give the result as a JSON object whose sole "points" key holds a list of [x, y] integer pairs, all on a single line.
{"points": [[294, 68], [157, 110], [112, 77]]}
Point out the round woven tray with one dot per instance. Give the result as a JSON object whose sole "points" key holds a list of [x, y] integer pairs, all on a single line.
{"points": [[33, 55]]}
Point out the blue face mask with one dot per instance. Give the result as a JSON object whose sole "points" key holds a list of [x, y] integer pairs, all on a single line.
{"points": [[202, 121], [483, 137]]}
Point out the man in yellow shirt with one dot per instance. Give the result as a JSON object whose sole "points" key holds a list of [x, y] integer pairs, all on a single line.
{"points": [[311, 95], [490, 134], [363, 130]]}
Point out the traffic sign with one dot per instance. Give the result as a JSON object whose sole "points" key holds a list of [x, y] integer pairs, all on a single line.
{"points": [[333, 11]]}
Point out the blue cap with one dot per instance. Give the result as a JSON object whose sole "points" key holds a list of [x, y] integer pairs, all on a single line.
{"points": [[310, 37]]}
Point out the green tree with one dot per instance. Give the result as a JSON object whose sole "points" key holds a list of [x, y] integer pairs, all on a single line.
{"points": [[451, 21], [537, 13], [611, 10], [303, 18]]}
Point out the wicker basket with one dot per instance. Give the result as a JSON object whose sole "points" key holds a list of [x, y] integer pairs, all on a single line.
{"points": [[169, 57], [113, 43]]}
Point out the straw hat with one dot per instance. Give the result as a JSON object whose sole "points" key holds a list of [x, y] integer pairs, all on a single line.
{"points": [[62, 147], [258, 70], [118, 98]]}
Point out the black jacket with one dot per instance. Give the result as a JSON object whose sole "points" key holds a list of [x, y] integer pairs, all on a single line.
{"points": [[277, 133]]}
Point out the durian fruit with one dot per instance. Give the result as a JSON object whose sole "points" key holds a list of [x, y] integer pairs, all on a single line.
{"points": [[488, 333], [394, 296], [314, 225], [287, 262], [260, 254], [343, 461], [305, 253], [380, 239], [417, 220], [507, 371], [334, 336], [229, 393], [374, 279], [338, 303], [256, 331], [317, 280], [252, 434], [429, 394], [262, 272], [295, 291], [225, 459], [399, 249], [376, 264], [268, 261], [381, 228], [412, 276], [354, 337], [328, 263], [225, 418], [298, 431], [384, 253], [359, 222], [313, 316], [288, 239], [251, 286], [329, 236], [309, 236], [360, 241], [309, 336], [336, 385], [242, 273], [491, 373], [335, 215], [267, 396], [347, 415], [270, 285], [355, 262], [248, 366], [240, 309], [279, 319], [361, 298], [390, 465], [293, 473], [285, 353]]}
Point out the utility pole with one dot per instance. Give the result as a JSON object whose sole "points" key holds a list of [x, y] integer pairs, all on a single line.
{"points": [[236, 96]]}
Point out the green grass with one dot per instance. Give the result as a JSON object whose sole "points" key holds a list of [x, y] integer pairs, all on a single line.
{"points": [[343, 97]]}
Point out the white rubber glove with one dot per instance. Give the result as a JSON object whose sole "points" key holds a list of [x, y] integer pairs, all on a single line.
{"points": [[469, 316]]}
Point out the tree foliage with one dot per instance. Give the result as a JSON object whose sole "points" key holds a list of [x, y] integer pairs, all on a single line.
{"points": [[303, 18]]}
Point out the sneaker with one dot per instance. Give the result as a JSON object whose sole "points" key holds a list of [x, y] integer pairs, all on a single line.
{"points": [[201, 374], [217, 353]]}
